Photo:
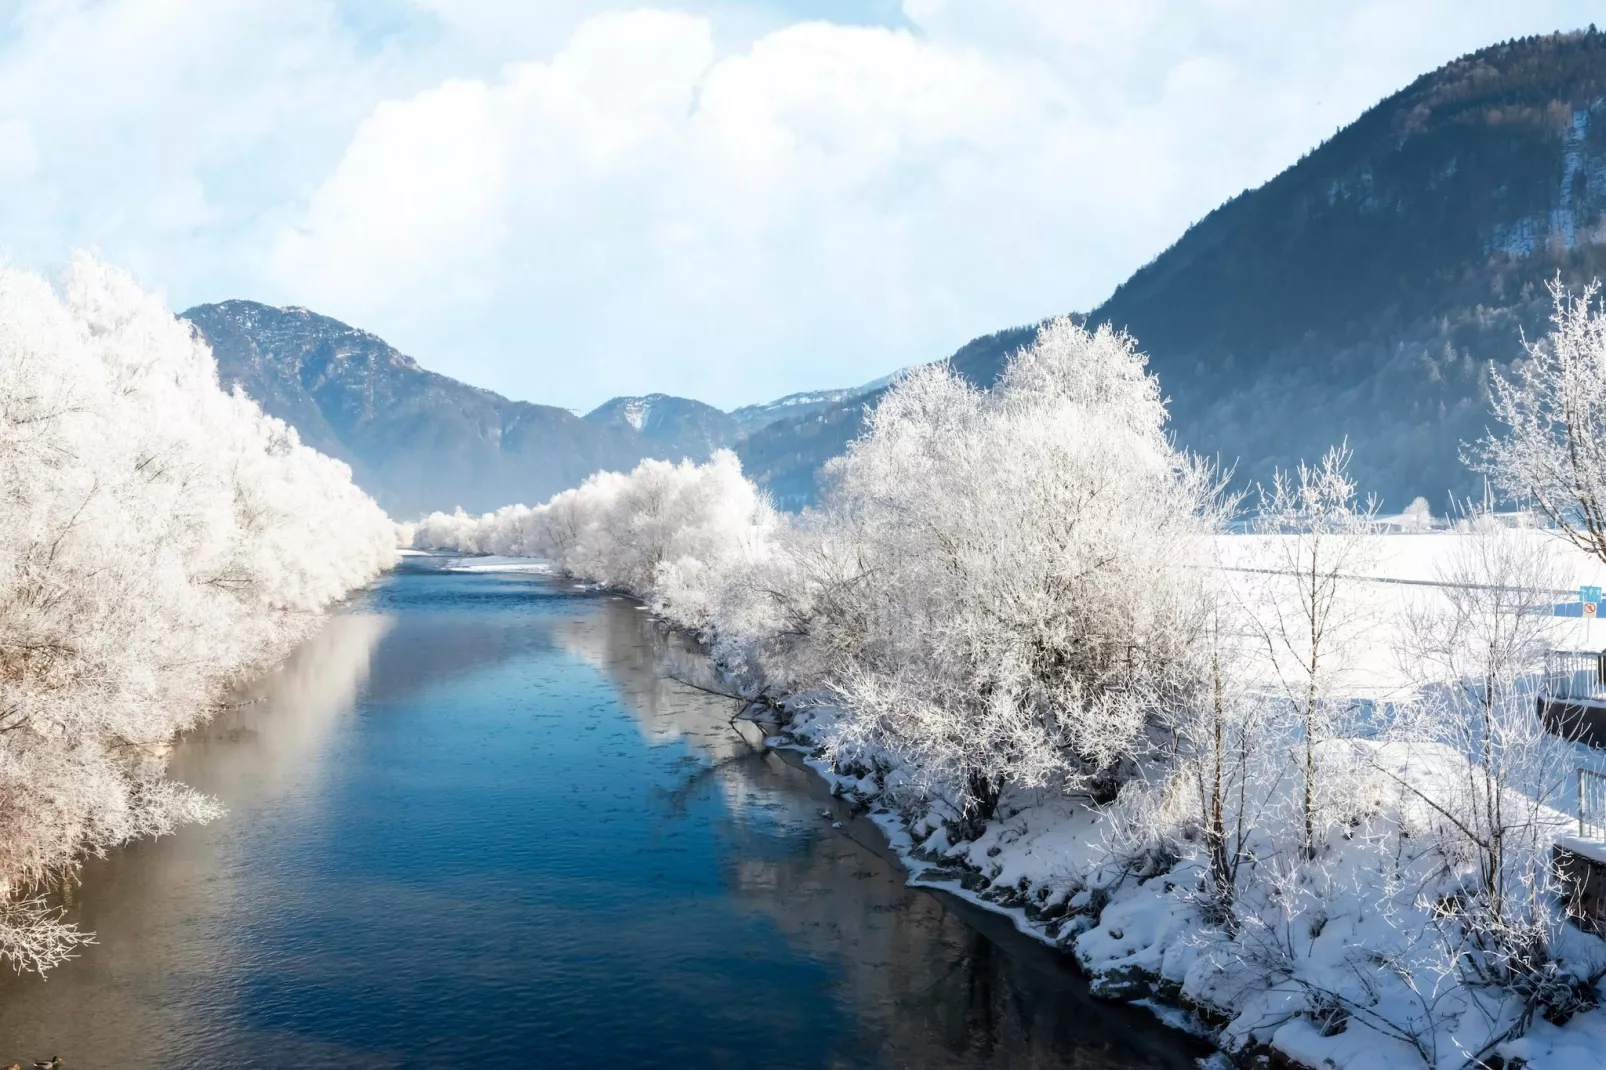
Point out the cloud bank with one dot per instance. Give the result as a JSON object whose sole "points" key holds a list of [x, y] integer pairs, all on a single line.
{"points": [[724, 201]]}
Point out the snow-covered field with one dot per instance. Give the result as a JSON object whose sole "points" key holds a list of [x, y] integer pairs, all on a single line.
{"points": [[1402, 572], [495, 563]]}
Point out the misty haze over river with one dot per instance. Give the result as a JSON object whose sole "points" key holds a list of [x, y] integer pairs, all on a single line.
{"points": [[473, 823]]}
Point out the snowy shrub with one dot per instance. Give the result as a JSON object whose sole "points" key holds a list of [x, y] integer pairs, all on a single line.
{"points": [[668, 533], [1418, 516], [1483, 638], [1423, 915], [162, 539]]}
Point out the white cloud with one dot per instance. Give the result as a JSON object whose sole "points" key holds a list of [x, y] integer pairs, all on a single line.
{"points": [[566, 201], [19, 154]]}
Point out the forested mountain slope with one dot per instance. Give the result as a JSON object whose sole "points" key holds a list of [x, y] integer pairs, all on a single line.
{"points": [[676, 427], [784, 458], [1366, 290], [419, 441], [416, 440]]}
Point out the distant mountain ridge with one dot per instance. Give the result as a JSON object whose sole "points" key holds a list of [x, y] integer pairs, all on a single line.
{"points": [[681, 427], [784, 457], [419, 441], [1365, 292], [416, 440]]}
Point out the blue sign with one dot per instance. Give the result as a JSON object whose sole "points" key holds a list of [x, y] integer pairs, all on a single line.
{"points": [[1589, 594]]}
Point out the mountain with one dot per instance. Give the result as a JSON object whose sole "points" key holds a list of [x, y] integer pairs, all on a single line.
{"points": [[784, 457], [418, 441], [1368, 290], [753, 418], [678, 427], [415, 440]]}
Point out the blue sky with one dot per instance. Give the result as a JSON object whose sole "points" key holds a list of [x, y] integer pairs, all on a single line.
{"points": [[574, 199]]}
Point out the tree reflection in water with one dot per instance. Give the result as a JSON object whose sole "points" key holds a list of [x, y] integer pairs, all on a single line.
{"points": [[445, 834], [930, 980], [151, 899]]}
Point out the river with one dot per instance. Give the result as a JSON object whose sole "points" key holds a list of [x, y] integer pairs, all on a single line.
{"points": [[474, 823]]}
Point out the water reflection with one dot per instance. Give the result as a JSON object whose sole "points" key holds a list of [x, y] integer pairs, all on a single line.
{"points": [[248, 757], [473, 822], [931, 980], [167, 910], [647, 663]]}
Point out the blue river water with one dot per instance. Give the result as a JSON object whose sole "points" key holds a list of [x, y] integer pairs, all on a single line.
{"points": [[475, 822]]}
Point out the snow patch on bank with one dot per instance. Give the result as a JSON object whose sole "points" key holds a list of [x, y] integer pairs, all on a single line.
{"points": [[1047, 864], [494, 563]]}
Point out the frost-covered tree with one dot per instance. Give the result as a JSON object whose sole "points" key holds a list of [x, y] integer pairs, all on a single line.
{"points": [[788, 619], [1317, 537], [1552, 450], [1477, 643], [1230, 759], [1024, 570], [159, 539], [1418, 516]]}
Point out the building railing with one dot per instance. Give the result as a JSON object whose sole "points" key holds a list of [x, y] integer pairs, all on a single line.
{"points": [[1575, 675], [1591, 805]]}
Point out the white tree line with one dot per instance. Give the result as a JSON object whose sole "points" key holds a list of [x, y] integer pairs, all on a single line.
{"points": [[160, 541], [1014, 590]]}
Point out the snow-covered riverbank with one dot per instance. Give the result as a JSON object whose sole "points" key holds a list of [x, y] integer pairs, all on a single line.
{"points": [[1352, 932], [161, 540], [1293, 781], [1054, 865], [1061, 869]]}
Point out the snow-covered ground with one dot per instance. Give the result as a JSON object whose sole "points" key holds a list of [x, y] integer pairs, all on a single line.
{"points": [[496, 563], [458, 562], [1399, 573], [1048, 862], [1361, 929]]}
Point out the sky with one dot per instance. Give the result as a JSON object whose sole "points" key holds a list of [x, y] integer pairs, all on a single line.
{"points": [[569, 200]]}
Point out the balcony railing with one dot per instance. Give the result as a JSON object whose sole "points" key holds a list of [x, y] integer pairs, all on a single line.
{"points": [[1591, 805], [1575, 675]]}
